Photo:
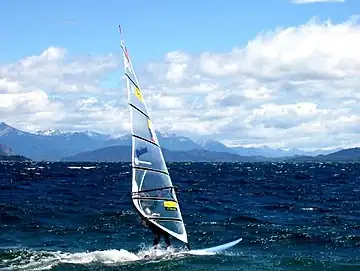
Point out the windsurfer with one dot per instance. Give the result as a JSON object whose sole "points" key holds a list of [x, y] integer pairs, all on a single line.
{"points": [[157, 232]]}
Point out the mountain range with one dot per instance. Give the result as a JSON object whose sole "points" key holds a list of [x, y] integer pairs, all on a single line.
{"points": [[123, 154], [53, 145]]}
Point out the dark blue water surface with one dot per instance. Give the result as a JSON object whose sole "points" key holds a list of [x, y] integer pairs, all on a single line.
{"points": [[68, 216]]}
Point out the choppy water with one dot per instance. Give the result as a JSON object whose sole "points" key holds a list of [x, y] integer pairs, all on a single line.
{"points": [[67, 216]]}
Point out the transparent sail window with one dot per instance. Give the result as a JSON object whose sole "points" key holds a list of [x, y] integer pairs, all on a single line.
{"points": [[148, 155], [160, 208], [162, 194], [147, 180], [142, 126], [174, 226]]}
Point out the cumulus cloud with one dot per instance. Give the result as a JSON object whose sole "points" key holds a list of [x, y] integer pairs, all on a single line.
{"points": [[290, 87], [47, 91], [55, 71]]}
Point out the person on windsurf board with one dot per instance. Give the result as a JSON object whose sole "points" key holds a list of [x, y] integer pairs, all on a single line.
{"points": [[157, 232]]}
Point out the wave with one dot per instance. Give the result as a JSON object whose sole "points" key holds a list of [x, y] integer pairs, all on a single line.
{"points": [[21, 259]]}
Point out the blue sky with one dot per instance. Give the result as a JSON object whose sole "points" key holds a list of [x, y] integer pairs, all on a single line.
{"points": [[246, 73], [150, 27]]}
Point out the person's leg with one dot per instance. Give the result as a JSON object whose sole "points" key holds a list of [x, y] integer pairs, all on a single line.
{"points": [[167, 240], [156, 240]]}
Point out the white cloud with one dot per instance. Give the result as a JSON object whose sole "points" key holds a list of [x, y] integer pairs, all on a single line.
{"points": [[291, 87], [316, 1], [55, 71], [47, 90]]}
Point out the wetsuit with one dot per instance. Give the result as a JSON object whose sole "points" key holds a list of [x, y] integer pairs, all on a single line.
{"points": [[157, 232]]}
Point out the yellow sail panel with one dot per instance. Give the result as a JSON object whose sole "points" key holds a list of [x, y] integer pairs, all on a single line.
{"points": [[138, 94]]}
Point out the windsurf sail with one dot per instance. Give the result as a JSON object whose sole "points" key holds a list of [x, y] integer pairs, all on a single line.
{"points": [[153, 193]]}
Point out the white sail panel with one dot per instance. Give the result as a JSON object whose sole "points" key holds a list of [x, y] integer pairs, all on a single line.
{"points": [[136, 98], [142, 126], [129, 70], [174, 226]]}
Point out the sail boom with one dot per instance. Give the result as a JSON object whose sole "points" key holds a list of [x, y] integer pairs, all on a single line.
{"points": [[155, 198], [165, 218], [155, 189], [153, 170]]}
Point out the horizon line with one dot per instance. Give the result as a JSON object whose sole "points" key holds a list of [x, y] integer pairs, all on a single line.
{"points": [[246, 146]]}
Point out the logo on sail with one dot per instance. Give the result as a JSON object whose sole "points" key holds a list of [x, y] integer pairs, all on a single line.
{"points": [[170, 205], [141, 151], [138, 153]]}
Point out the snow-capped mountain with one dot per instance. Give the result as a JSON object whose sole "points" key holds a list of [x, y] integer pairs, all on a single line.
{"points": [[54, 144], [6, 130], [176, 143], [92, 135], [87, 133], [56, 132], [213, 145], [50, 132], [167, 141]]}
